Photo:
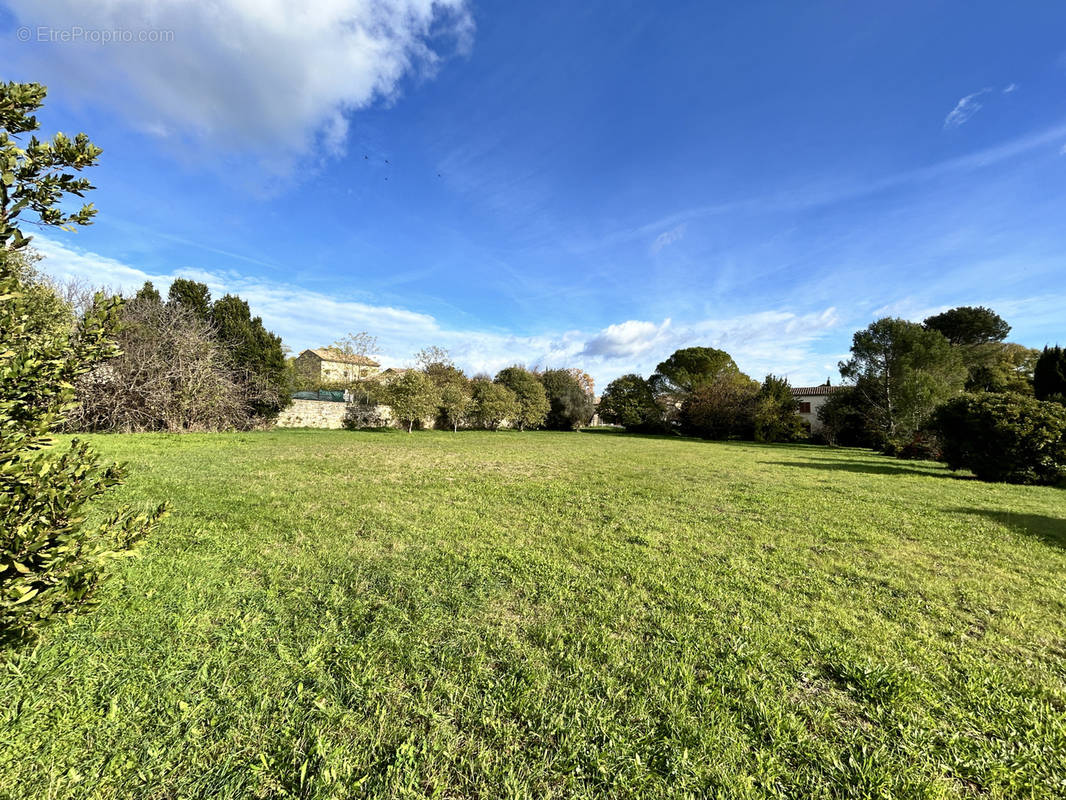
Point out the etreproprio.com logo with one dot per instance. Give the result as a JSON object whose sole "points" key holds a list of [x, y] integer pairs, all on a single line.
{"points": [[78, 34]]}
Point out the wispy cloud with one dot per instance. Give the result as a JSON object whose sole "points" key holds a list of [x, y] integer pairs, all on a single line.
{"points": [[964, 109], [807, 197], [1010, 88], [667, 238]]}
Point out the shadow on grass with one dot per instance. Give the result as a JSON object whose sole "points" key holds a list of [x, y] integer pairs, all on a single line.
{"points": [[675, 436], [1050, 529], [871, 467]]}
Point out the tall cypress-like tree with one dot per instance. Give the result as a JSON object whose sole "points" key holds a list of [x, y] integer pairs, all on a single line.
{"points": [[255, 351], [148, 293], [1049, 375], [194, 295]]}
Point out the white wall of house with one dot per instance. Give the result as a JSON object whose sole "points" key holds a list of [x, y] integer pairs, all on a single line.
{"points": [[814, 402]]}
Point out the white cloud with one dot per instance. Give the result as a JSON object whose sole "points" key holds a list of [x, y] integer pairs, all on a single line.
{"points": [[668, 237], [781, 342], [626, 339], [246, 75], [772, 341], [1010, 88], [964, 109]]}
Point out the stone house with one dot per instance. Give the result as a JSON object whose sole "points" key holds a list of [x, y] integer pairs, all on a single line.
{"points": [[392, 373], [327, 365], [810, 399]]}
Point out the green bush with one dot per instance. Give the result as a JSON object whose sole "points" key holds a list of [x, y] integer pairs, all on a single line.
{"points": [[775, 416], [570, 406], [919, 446], [1049, 375], [845, 418], [721, 409], [1004, 437], [359, 417], [412, 397], [50, 559], [629, 401], [532, 400]]}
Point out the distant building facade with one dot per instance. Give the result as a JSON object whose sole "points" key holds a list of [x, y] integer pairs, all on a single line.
{"points": [[810, 399], [327, 365]]}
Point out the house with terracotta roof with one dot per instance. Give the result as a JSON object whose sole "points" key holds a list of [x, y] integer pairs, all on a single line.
{"points": [[326, 365], [810, 399]]}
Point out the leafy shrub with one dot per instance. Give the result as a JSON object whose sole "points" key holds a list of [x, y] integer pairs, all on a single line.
{"points": [[1004, 437], [493, 404], [532, 401], [629, 401], [845, 419], [721, 409], [358, 417], [920, 446], [776, 417], [50, 559], [570, 404], [1049, 375]]}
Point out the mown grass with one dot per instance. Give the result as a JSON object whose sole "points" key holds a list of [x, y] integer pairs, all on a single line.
{"points": [[335, 614]]}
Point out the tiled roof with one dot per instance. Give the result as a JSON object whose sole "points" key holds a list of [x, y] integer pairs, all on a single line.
{"points": [[815, 391], [329, 354]]}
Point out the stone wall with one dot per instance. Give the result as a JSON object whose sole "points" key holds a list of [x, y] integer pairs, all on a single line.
{"points": [[312, 414], [327, 414]]}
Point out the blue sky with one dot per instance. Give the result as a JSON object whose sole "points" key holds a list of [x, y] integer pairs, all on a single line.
{"points": [[569, 184]]}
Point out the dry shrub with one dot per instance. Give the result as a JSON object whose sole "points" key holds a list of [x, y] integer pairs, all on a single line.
{"points": [[172, 376]]}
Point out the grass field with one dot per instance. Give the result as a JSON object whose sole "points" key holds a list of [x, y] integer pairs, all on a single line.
{"points": [[336, 614]]}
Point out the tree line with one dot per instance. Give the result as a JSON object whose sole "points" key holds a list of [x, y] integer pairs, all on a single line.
{"points": [[700, 391], [437, 391], [949, 388], [180, 363]]}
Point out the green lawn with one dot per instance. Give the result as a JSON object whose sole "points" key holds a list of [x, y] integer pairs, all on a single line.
{"points": [[335, 614]]}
